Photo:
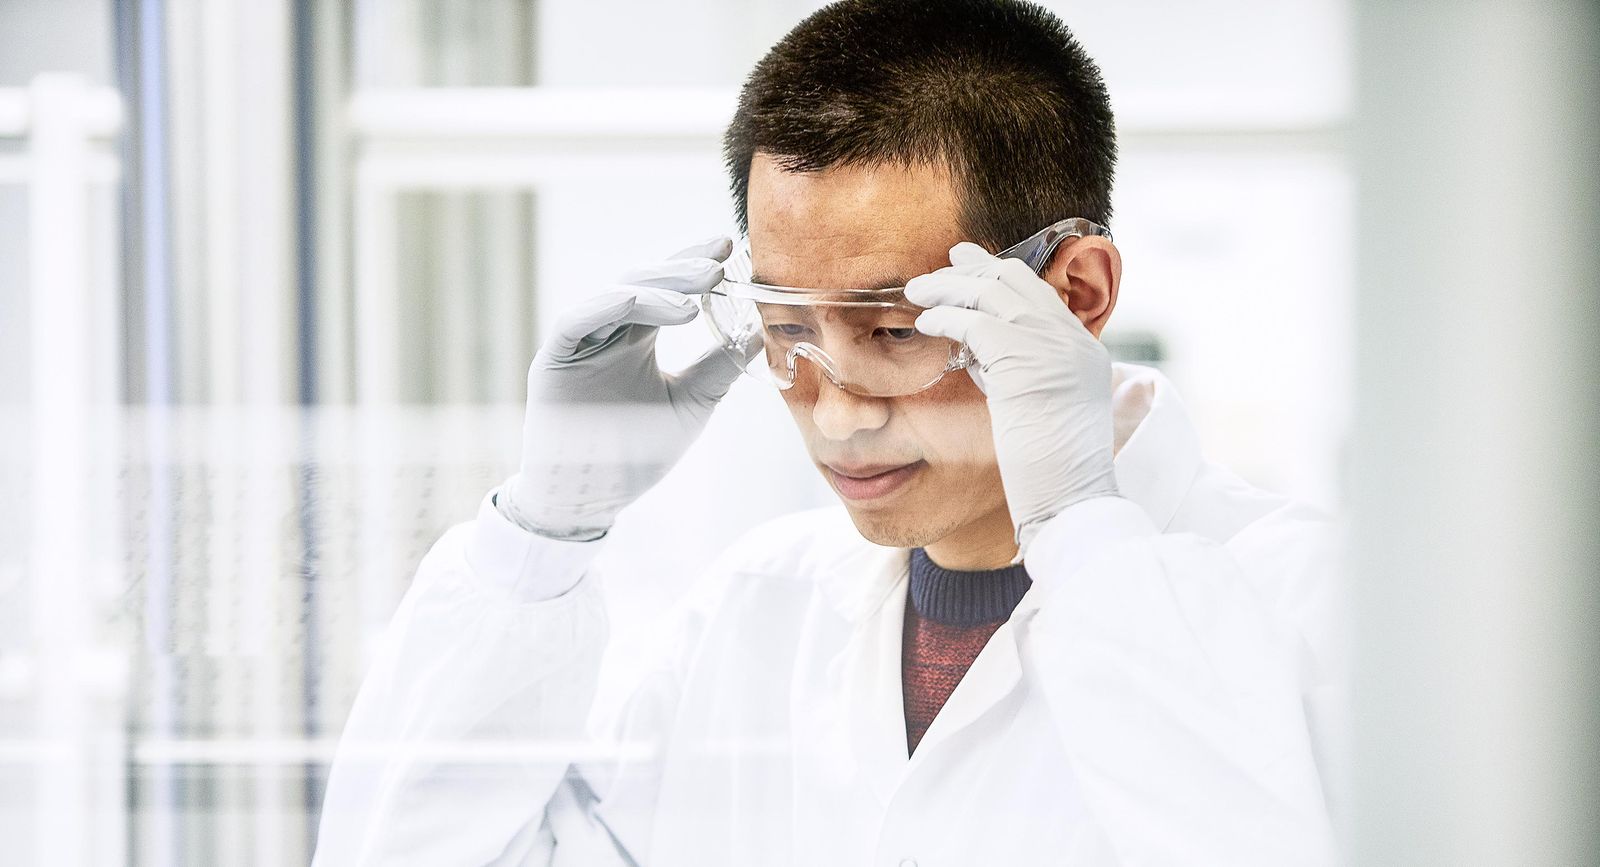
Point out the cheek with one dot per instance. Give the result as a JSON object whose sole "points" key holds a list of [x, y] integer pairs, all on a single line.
{"points": [[948, 425], [951, 421], [799, 407]]}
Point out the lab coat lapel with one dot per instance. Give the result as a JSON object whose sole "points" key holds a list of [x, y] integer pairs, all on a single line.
{"points": [[993, 675], [873, 691], [868, 683]]}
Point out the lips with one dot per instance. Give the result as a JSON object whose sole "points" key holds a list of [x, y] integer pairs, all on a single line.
{"points": [[861, 482]]}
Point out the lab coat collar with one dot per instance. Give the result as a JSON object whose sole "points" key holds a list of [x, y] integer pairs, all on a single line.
{"points": [[1158, 451]]}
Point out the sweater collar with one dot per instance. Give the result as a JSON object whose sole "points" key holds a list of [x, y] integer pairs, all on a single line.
{"points": [[959, 598]]}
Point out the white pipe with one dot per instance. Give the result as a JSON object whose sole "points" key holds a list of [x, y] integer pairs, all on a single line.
{"points": [[377, 327], [62, 390], [220, 98], [98, 112], [100, 169]]}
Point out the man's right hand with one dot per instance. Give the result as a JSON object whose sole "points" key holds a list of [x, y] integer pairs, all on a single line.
{"points": [[603, 422]]}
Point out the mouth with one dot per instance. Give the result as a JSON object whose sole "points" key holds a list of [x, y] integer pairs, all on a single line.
{"points": [[864, 482]]}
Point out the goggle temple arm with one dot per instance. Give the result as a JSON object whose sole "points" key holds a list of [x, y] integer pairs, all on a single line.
{"points": [[1036, 249]]}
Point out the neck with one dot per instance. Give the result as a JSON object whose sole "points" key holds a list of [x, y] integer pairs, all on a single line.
{"points": [[987, 543]]}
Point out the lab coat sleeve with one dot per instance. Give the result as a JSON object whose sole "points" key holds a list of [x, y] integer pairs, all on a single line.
{"points": [[1177, 692], [459, 744]]}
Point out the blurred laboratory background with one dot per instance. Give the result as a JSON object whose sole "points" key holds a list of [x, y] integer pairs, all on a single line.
{"points": [[272, 271]]}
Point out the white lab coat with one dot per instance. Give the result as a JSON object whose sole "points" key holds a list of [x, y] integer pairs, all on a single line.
{"points": [[1163, 694]]}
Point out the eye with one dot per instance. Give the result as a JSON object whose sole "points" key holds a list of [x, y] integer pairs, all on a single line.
{"points": [[788, 330], [898, 335]]}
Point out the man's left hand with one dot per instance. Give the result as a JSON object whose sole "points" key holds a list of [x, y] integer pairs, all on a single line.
{"points": [[1047, 379]]}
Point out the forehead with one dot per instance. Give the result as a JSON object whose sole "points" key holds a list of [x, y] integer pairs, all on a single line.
{"points": [[850, 226]]}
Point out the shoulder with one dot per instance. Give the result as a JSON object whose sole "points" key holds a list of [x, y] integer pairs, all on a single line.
{"points": [[1288, 551], [1223, 507]]}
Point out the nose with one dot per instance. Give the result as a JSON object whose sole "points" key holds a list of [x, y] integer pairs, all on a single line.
{"points": [[839, 414]]}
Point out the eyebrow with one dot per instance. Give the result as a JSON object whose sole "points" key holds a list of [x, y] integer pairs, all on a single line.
{"points": [[872, 285]]}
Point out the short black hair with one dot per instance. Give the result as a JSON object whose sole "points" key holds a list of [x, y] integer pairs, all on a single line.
{"points": [[998, 90]]}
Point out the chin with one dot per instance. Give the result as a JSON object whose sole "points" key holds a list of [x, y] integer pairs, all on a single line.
{"points": [[899, 530]]}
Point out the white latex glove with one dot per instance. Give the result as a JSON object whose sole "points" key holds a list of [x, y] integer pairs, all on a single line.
{"points": [[603, 422], [1047, 379]]}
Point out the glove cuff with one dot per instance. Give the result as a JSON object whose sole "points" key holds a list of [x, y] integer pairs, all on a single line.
{"points": [[505, 503], [1027, 529]]}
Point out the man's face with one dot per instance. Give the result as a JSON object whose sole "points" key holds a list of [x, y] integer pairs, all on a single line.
{"points": [[913, 470]]}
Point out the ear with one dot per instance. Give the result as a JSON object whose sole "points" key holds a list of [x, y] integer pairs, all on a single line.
{"points": [[1086, 273]]}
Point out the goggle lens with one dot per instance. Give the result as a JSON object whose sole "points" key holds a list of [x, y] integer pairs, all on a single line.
{"points": [[870, 348]]}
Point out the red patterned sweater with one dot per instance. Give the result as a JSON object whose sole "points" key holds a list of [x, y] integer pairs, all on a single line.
{"points": [[950, 616]]}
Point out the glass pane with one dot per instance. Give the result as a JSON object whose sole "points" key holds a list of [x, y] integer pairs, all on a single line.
{"points": [[430, 43], [466, 295]]}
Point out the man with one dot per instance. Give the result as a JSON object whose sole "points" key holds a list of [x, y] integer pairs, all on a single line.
{"points": [[1041, 628]]}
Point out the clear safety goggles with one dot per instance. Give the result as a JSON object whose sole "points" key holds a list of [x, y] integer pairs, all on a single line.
{"points": [[864, 341]]}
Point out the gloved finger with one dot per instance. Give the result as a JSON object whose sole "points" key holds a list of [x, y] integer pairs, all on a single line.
{"points": [[653, 308], [690, 276], [583, 318], [712, 374], [947, 289], [984, 334], [598, 318], [967, 253], [657, 307], [718, 247], [692, 270], [1036, 290], [969, 258]]}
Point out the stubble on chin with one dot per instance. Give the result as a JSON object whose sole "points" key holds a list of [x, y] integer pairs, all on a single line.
{"points": [[901, 530]]}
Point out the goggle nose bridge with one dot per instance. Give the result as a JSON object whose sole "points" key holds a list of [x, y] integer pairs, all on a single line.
{"points": [[814, 354]]}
